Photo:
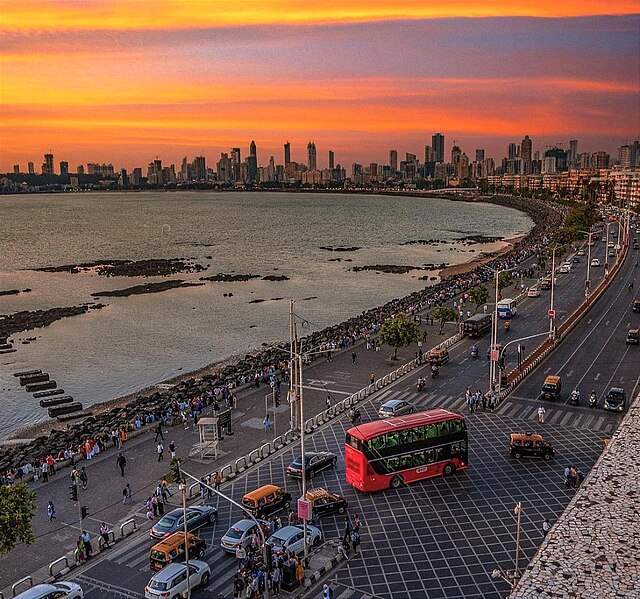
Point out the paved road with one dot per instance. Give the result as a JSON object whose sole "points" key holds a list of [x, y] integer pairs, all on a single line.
{"points": [[440, 538]]}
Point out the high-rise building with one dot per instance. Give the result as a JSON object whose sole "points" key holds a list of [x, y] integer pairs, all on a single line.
{"points": [[526, 149], [311, 156], [287, 154], [16, 169], [136, 177], [410, 158], [512, 151], [332, 159], [123, 180], [393, 160], [600, 160], [479, 155], [64, 167], [573, 152], [463, 167], [428, 154], [47, 165], [30, 168], [635, 153], [199, 168], [456, 152], [185, 170], [624, 156], [235, 156], [437, 144], [549, 165], [561, 158], [80, 170], [224, 169], [252, 163]]}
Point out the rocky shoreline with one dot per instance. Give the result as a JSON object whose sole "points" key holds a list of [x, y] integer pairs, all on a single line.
{"points": [[546, 217], [152, 267], [10, 324], [146, 288]]}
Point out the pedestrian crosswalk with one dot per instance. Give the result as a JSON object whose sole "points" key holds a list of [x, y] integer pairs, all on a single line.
{"points": [[514, 408]]}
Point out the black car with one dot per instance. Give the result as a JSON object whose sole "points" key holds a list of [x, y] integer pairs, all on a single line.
{"points": [[324, 503], [197, 517], [529, 445], [314, 463], [636, 305], [615, 400]]}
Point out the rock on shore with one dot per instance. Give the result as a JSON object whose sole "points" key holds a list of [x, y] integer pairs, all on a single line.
{"points": [[146, 288], [153, 267], [32, 319], [388, 268], [223, 277], [275, 278], [340, 248]]}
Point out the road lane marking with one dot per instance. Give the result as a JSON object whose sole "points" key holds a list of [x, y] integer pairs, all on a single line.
{"points": [[595, 378], [327, 390]]}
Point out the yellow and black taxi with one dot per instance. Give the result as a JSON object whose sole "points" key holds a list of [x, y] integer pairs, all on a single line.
{"points": [[266, 500], [325, 502], [172, 549], [529, 445], [551, 388], [438, 356]]}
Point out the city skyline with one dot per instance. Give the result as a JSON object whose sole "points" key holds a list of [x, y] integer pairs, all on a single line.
{"points": [[354, 78]]}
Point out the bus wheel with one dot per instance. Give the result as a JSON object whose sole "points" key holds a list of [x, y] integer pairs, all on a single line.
{"points": [[449, 469], [517, 455], [396, 482]]}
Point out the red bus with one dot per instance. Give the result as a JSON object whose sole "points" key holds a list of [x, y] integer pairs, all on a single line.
{"points": [[387, 453]]}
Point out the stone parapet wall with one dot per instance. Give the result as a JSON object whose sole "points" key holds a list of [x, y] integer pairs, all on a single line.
{"points": [[593, 550]]}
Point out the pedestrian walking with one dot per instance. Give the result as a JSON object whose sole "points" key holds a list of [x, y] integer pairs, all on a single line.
{"points": [[354, 357], [275, 581], [51, 511], [88, 548], [266, 423], [372, 378], [104, 534], [300, 573], [327, 401], [355, 541], [44, 469], [160, 451], [125, 495], [122, 463], [546, 526], [172, 449], [327, 592], [159, 433], [541, 413], [217, 480], [84, 479]]}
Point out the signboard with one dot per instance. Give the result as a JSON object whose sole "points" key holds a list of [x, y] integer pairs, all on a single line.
{"points": [[551, 313], [304, 509], [495, 355]]}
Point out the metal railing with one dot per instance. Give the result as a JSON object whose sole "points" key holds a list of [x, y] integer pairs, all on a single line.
{"points": [[58, 561], [127, 523], [19, 583]]}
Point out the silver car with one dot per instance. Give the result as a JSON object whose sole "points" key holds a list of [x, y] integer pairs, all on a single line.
{"points": [[171, 581], [395, 407], [291, 538], [240, 534], [57, 590]]}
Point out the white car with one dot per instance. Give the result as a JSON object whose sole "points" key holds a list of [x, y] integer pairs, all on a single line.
{"points": [[595, 262], [611, 244], [580, 252], [57, 590], [171, 581], [565, 268], [240, 534], [533, 292], [291, 538]]}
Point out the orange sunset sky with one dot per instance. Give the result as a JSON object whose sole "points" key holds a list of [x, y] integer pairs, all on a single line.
{"points": [[129, 80]]}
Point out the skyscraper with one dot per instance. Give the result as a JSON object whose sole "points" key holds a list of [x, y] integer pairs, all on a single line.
{"points": [[479, 155], [80, 170], [332, 159], [526, 149], [252, 162], [573, 152], [235, 156], [47, 165], [311, 154], [16, 169], [287, 154], [199, 168], [393, 160], [437, 143], [30, 168], [64, 167], [456, 152], [512, 151], [428, 154]]}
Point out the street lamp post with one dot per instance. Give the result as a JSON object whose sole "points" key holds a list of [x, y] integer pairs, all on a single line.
{"points": [[553, 284], [587, 284], [302, 457], [183, 492]]}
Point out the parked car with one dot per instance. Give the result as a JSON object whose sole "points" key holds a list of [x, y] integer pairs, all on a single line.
{"points": [[171, 581], [315, 462], [395, 407], [615, 400], [610, 244], [580, 252], [56, 590], [325, 502], [575, 260], [595, 262], [533, 292], [291, 539], [529, 445], [240, 534], [197, 517], [565, 268]]}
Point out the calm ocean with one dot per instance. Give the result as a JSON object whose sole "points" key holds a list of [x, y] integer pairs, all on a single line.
{"points": [[144, 339]]}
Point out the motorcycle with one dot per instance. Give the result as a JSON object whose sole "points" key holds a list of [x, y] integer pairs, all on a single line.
{"points": [[575, 397], [474, 352], [435, 371], [420, 384], [593, 400]]}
